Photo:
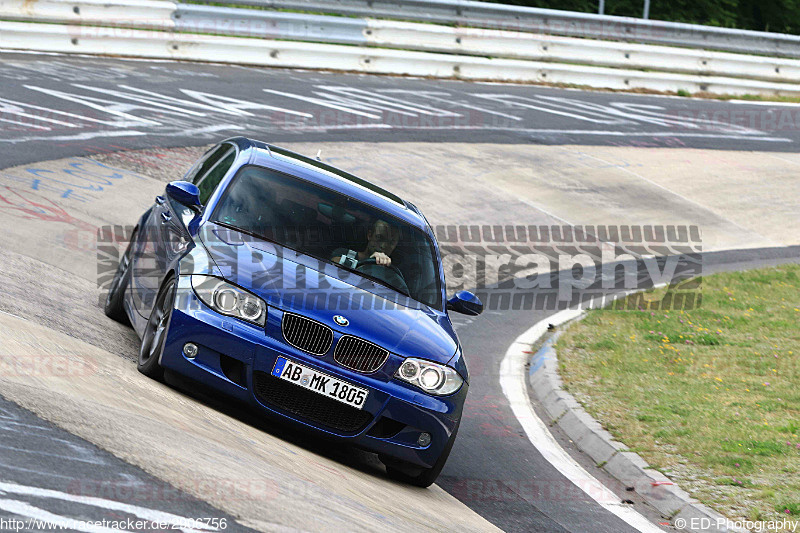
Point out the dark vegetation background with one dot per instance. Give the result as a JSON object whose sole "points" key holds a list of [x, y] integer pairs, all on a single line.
{"points": [[782, 16]]}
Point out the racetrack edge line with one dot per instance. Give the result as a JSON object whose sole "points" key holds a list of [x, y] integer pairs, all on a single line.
{"points": [[512, 381]]}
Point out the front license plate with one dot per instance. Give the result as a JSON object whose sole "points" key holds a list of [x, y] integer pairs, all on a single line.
{"points": [[323, 384]]}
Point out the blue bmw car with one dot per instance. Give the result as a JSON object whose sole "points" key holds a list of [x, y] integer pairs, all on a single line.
{"points": [[307, 292]]}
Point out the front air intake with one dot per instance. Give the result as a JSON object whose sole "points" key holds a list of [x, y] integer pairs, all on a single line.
{"points": [[295, 401]]}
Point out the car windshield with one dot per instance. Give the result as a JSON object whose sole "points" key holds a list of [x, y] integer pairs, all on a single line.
{"points": [[328, 225]]}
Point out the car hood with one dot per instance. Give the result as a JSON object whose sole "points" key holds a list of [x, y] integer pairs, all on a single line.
{"points": [[320, 290]]}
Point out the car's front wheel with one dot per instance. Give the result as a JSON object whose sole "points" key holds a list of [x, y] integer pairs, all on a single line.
{"points": [[114, 307], [155, 333], [427, 476]]}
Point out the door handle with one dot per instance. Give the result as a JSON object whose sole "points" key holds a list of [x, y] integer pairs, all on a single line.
{"points": [[160, 200], [166, 216]]}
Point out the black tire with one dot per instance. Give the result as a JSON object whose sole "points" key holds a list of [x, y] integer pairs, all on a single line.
{"points": [[427, 476], [114, 307], [155, 332]]}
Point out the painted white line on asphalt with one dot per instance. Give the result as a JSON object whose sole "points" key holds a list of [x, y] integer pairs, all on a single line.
{"points": [[545, 211], [124, 133], [515, 102], [153, 515], [378, 125], [27, 125], [512, 381], [97, 104], [682, 197], [607, 133], [614, 133], [387, 102], [210, 129], [235, 106], [301, 127], [76, 137], [49, 519], [439, 96], [784, 159], [332, 103], [750, 102]]}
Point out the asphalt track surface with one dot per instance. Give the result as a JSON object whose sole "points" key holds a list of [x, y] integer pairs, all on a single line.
{"points": [[57, 106], [47, 473], [493, 467]]}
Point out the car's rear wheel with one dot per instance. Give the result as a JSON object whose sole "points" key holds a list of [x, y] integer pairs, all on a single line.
{"points": [[114, 306], [427, 476], [155, 333]]}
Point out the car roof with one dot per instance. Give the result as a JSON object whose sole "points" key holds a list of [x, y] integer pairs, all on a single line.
{"points": [[282, 159]]}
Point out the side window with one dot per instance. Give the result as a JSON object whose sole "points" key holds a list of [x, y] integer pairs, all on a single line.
{"points": [[209, 181], [208, 160]]}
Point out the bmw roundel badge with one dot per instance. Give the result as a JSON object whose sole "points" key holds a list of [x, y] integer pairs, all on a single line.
{"points": [[342, 321]]}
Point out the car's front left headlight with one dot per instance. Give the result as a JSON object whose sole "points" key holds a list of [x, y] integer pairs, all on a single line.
{"points": [[228, 299], [431, 377]]}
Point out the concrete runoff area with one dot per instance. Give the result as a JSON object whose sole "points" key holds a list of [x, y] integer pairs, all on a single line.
{"points": [[273, 483], [52, 479], [738, 199]]}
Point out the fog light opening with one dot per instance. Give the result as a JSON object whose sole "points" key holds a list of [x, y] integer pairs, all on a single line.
{"points": [[190, 350], [424, 439]]}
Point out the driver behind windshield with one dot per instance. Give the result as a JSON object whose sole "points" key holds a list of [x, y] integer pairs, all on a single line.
{"points": [[382, 239]]}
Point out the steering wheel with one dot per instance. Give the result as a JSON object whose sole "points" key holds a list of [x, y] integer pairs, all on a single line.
{"points": [[372, 262]]}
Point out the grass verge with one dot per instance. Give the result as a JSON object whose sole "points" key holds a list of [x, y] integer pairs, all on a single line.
{"points": [[709, 396]]}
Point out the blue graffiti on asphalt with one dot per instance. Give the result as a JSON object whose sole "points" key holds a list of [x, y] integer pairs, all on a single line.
{"points": [[73, 178]]}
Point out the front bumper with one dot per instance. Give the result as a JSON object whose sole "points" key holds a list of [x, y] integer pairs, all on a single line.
{"points": [[236, 358]]}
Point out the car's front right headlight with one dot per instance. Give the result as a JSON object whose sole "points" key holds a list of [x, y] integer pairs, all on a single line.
{"points": [[228, 299], [431, 377]]}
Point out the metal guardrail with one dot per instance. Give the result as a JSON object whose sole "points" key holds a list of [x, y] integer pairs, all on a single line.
{"points": [[269, 24], [127, 13], [550, 22], [292, 39], [214, 20], [84, 39], [556, 49]]}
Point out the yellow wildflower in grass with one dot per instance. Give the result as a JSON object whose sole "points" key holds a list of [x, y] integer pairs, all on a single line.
{"points": [[740, 354]]}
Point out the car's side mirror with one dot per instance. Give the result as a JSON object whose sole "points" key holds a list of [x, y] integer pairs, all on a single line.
{"points": [[184, 193], [466, 303]]}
